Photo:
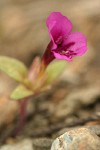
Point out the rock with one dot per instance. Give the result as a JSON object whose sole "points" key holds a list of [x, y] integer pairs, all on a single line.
{"points": [[28, 144], [77, 139], [95, 129], [23, 145], [42, 144]]}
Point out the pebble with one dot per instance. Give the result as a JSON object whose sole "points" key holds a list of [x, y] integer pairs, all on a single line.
{"points": [[42, 143], [29, 144], [77, 139], [23, 145]]}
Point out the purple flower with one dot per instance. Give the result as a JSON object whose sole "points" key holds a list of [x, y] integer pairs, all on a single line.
{"points": [[64, 43]]}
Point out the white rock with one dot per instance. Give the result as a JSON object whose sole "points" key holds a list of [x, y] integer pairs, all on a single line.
{"points": [[23, 145]]}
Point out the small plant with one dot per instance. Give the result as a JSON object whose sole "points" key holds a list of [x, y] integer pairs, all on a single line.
{"points": [[64, 45]]}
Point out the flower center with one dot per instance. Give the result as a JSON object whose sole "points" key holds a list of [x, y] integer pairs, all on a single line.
{"points": [[68, 53]]}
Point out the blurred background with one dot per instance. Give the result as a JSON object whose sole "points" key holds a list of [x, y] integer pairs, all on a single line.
{"points": [[24, 35], [23, 31]]}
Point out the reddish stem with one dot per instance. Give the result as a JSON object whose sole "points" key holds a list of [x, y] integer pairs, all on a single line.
{"points": [[22, 115], [48, 55]]}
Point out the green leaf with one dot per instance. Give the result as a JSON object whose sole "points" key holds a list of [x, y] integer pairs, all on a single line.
{"points": [[13, 68], [21, 92], [54, 70]]}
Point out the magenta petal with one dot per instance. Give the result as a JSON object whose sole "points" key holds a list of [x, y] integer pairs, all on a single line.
{"points": [[79, 44], [58, 26], [64, 44], [61, 57]]}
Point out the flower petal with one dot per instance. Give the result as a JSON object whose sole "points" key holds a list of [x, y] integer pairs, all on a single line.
{"points": [[58, 26], [61, 57], [76, 42]]}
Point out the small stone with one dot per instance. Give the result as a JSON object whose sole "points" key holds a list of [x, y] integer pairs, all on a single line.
{"points": [[77, 139], [42, 144], [23, 145]]}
